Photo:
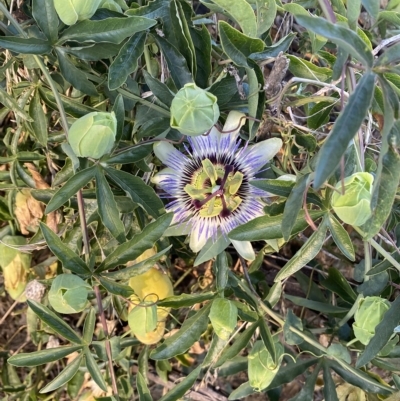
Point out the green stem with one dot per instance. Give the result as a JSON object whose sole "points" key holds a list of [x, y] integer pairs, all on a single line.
{"points": [[381, 250], [150, 105]]}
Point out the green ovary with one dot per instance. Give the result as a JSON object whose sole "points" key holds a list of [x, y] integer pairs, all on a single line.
{"points": [[206, 181]]}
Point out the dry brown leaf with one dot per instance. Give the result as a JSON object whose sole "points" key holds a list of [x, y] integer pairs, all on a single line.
{"points": [[52, 218], [28, 211]]}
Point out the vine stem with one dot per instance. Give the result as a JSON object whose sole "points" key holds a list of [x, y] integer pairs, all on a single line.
{"points": [[81, 205], [107, 342]]}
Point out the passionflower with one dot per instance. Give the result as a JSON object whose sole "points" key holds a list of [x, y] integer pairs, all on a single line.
{"points": [[209, 185]]}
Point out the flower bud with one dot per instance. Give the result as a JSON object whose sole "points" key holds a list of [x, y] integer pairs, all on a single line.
{"points": [[369, 314], [75, 10], [262, 368], [149, 287], [194, 111], [93, 135], [110, 5], [15, 265], [68, 294], [353, 207]]}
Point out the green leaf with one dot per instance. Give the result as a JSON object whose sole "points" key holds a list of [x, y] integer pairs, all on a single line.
{"points": [[107, 207], [292, 320], [72, 107], [203, 48], [319, 114], [266, 13], [39, 120], [71, 187], [159, 89], [44, 356], [288, 373], [65, 376], [385, 188], [127, 60], [130, 250], [329, 385], [74, 75], [177, 65], [353, 13], [180, 389], [119, 110], [143, 391], [242, 13], [268, 340], [318, 306], [116, 288], [358, 378], [383, 332], [190, 332], [340, 35], [89, 325], [25, 45], [284, 189], [138, 191], [94, 370], [305, 69], [221, 269], [137, 268], [10, 103], [223, 317], [372, 7], [55, 323], [212, 248], [307, 390], [341, 238], [236, 45], [293, 206], [391, 55], [338, 284], [131, 155], [272, 51], [112, 30], [270, 227], [45, 15], [242, 391], [185, 300], [241, 342], [142, 319], [69, 259], [345, 128], [176, 29]]}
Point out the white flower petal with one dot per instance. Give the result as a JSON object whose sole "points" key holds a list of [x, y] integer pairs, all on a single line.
{"points": [[259, 154], [231, 129], [170, 156], [245, 249], [198, 238]]}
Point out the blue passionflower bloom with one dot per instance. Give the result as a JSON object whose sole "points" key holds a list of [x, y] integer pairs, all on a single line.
{"points": [[209, 186]]}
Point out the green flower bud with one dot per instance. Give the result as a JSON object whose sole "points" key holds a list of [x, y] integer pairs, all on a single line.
{"points": [[72, 11], [15, 265], [68, 294], [110, 5], [354, 206], [194, 111], [369, 314], [93, 135], [262, 368]]}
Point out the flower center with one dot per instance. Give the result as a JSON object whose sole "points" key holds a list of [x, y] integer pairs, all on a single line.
{"points": [[214, 189]]}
